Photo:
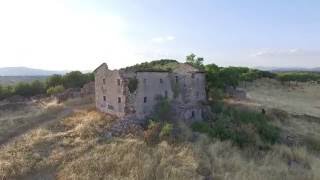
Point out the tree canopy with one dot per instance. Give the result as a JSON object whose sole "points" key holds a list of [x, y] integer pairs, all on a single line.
{"points": [[54, 84], [195, 61]]}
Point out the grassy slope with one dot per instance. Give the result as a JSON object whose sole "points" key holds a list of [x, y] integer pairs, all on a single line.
{"points": [[302, 98], [12, 80], [75, 147]]}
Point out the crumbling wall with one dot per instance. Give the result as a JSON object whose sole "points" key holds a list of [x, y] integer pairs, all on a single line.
{"points": [[184, 87], [109, 88], [151, 85], [88, 89]]}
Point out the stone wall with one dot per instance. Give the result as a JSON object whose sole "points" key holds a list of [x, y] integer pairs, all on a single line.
{"points": [[184, 87], [150, 86], [109, 88], [88, 89]]}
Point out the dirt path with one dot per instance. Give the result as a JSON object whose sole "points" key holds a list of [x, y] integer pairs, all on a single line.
{"points": [[35, 122]]}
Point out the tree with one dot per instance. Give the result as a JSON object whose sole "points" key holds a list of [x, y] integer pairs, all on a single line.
{"points": [[23, 89], [1, 92], [212, 76], [195, 61], [229, 76], [74, 79], [5, 91], [37, 87], [55, 90], [54, 80]]}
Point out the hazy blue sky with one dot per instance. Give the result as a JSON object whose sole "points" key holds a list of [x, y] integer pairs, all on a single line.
{"points": [[82, 34]]}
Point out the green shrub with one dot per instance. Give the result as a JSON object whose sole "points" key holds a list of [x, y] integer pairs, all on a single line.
{"points": [[298, 76], [37, 87], [175, 88], [243, 127], [166, 130], [54, 80], [74, 79], [202, 127], [162, 110], [6, 91], [152, 123], [218, 78], [217, 107], [151, 134], [55, 90], [215, 93], [133, 84], [158, 65], [27, 89]]}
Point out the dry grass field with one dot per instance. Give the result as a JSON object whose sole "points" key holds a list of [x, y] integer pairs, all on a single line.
{"points": [[298, 98], [75, 146]]}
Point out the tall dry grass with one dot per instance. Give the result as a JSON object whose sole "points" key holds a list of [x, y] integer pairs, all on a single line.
{"points": [[281, 162], [76, 147]]}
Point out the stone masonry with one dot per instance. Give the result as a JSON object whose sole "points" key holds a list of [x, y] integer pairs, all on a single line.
{"points": [[184, 87]]}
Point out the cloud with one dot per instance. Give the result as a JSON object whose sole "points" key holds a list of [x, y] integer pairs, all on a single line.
{"points": [[286, 57], [163, 39], [285, 53]]}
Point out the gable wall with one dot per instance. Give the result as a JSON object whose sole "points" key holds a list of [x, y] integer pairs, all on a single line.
{"points": [[191, 88], [149, 86], [111, 90]]}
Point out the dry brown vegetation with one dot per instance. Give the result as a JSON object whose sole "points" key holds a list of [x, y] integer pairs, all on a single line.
{"points": [[297, 98], [77, 147]]}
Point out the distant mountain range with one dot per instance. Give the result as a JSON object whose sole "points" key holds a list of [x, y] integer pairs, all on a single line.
{"points": [[25, 71], [288, 69]]}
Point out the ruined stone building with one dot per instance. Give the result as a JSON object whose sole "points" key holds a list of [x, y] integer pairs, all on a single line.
{"points": [[122, 92]]}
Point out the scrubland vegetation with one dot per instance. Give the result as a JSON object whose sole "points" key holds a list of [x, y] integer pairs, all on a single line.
{"points": [[242, 127], [53, 84], [76, 147], [46, 140]]}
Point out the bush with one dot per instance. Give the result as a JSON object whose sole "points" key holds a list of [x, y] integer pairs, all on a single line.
{"points": [[162, 110], [6, 91], [218, 78], [298, 76], [37, 87], [159, 65], [151, 135], [166, 130], [215, 93], [55, 90], [202, 127], [243, 127], [27, 90], [133, 84], [54, 84], [54, 80], [73, 79]]}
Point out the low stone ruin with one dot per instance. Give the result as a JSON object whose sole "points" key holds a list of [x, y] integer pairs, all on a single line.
{"points": [[68, 94], [88, 89], [127, 125], [237, 93], [71, 93]]}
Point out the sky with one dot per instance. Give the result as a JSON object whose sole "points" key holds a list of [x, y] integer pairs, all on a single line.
{"points": [[80, 35]]}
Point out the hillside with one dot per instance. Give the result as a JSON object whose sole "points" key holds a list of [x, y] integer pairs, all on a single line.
{"points": [[157, 65], [25, 71], [12, 80], [298, 98], [46, 140]]}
